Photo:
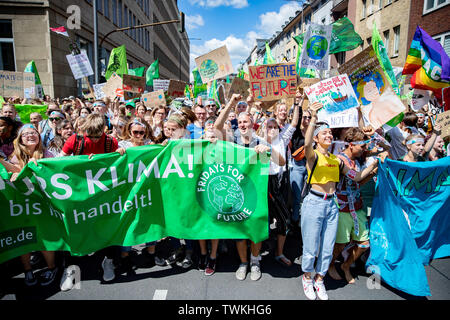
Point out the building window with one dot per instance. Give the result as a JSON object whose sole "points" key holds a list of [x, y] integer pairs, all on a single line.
{"points": [[444, 40], [134, 30], [363, 9], [106, 7], [431, 5], [340, 57], [120, 13], [396, 40], [386, 41], [114, 11], [125, 20], [100, 6], [369, 41], [380, 4], [7, 58]]}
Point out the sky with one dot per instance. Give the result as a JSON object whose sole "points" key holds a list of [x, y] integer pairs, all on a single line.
{"points": [[234, 23]]}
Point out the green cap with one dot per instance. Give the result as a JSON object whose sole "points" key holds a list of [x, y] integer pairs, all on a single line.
{"points": [[131, 103]]}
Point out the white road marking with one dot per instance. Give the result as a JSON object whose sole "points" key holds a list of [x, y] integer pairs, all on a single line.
{"points": [[160, 295]]}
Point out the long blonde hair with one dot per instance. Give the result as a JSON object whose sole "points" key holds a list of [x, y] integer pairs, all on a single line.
{"points": [[21, 152]]}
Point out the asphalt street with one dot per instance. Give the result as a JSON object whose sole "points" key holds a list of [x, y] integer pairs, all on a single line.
{"points": [[174, 283]]}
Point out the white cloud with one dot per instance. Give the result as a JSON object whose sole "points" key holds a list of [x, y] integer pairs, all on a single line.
{"points": [[238, 4], [193, 22], [240, 48]]}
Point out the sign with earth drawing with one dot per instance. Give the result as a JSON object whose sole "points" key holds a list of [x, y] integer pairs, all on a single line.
{"points": [[316, 47], [214, 65]]}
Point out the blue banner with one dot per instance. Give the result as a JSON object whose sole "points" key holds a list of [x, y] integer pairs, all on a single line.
{"points": [[409, 222]]}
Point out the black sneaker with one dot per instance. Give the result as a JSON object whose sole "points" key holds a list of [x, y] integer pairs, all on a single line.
{"points": [[211, 267], [30, 279], [126, 266], [149, 258], [187, 262], [176, 256], [202, 262], [48, 276], [160, 261]]}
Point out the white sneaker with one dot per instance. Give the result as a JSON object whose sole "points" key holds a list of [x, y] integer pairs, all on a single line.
{"points": [[241, 273], [255, 272], [308, 288], [108, 269], [320, 289], [67, 280]]}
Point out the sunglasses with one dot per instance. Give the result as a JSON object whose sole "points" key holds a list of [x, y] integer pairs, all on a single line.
{"points": [[306, 117], [138, 132], [54, 119]]}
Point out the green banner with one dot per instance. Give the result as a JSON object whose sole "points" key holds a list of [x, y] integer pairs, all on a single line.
{"points": [[117, 62], [189, 189], [24, 111]]}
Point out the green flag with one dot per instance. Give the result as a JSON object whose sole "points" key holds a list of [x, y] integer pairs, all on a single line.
{"points": [[385, 63], [31, 67], [302, 72], [268, 58], [137, 71], [2, 101], [199, 87], [117, 62], [344, 36], [152, 72], [24, 111], [188, 189]]}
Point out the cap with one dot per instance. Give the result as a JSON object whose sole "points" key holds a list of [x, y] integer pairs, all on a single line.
{"points": [[131, 104]]}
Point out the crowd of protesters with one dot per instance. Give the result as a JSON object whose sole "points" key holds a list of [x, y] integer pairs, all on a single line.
{"points": [[316, 178]]}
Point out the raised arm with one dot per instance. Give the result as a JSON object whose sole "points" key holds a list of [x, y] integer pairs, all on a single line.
{"points": [[298, 101], [223, 116], [309, 135]]}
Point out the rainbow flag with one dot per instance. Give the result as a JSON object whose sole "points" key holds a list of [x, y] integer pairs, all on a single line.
{"points": [[428, 63]]}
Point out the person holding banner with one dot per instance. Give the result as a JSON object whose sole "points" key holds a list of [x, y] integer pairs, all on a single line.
{"points": [[245, 136], [319, 219], [28, 147], [197, 129]]}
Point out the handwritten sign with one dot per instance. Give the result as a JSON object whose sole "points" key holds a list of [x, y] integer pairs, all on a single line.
{"points": [[343, 119], [153, 99], [379, 103], [273, 82], [98, 90], [214, 65], [239, 86], [316, 47], [336, 94], [176, 88], [80, 65], [113, 87], [443, 119], [159, 84], [17, 84]]}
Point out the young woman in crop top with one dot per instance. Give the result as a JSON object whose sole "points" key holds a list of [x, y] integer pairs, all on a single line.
{"points": [[319, 212]]}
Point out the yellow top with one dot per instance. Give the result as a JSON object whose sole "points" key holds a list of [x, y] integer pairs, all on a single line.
{"points": [[327, 169]]}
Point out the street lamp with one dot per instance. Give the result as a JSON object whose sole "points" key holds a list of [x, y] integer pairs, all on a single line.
{"points": [[179, 53]]}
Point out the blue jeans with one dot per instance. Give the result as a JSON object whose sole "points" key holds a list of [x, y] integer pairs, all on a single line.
{"points": [[298, 175], [319, 223]]}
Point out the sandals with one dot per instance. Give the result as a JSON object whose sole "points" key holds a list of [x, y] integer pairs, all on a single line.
{"points": [[283, 261]]}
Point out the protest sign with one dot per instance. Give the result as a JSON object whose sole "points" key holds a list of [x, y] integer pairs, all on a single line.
{"points": [[153, 99], [343, 119], [239, 86], [176, 88], [133, 86], [159, 84], [80, 65], [17, 84], [336, 94], [379, 103], [405, 234], [98, 90], [443, 119], [187, 189], [113, 87], [316, 51], [273, 82], [214, 65]]}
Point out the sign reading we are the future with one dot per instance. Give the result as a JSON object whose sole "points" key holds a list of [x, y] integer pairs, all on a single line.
{"points": [[273, 81], [187, 189]]}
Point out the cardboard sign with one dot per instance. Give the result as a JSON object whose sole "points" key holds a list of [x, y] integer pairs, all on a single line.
{"points": [[111, 87], [17, 84], [133, 86], [153, 99], [159, 84], [379, 103], [176, 88], [214, 65], [80, 65], [343, 119], [443, 119], [98, 90], [316, 45], [336, 94], [273, 82], [239, 86]]}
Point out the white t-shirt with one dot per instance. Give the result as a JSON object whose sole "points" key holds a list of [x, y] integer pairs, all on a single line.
{"points": [[280, 145]]}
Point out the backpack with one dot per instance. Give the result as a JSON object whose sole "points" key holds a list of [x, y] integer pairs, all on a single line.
{"points": [[79, 144]]}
